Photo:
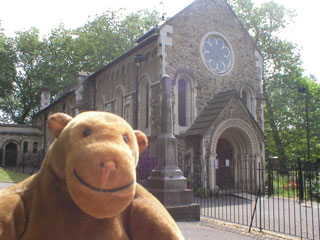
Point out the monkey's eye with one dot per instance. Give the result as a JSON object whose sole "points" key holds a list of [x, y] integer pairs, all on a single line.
{"points": [[86, 132], [125, 138]]}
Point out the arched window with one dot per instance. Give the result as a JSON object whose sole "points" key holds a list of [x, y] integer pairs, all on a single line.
{"points": [[248, 99], [119, 102], [35, 147], [184, 109], [128, 110], [25, 147], [245, 98], [144, 104], [100, 105], [182, 102]]}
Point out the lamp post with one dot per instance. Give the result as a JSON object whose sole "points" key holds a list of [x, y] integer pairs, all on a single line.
{"points": [[138, 59], [304, 90]]}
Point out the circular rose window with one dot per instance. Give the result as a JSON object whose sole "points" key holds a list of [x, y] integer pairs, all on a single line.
{"points": [[216, 53]]}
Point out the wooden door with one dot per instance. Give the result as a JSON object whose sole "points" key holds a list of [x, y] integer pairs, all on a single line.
{"points": [[224, 168]]}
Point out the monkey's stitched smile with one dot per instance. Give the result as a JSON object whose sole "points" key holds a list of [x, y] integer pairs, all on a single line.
{"points": [[99, 189]]}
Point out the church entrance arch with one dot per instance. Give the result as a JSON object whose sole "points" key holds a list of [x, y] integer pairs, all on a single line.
{"points": [[235, 149], [11, 154]]}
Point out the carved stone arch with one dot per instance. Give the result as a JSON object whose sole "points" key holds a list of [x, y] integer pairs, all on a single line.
{"points": [[175, 71], [238, 124], [245, 146]]}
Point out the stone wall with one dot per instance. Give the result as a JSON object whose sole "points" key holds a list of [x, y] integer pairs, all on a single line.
{"points": [[123, 75], [189, 27], [184, 56], [19, 135]]}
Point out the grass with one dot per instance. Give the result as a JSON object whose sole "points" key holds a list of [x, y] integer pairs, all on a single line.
{"points": [[9, 176]]}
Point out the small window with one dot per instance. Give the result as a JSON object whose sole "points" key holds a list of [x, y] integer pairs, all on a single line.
{"points": [[35, 147], [25, 147], [119, 102], [248, 99], [244, 98]]}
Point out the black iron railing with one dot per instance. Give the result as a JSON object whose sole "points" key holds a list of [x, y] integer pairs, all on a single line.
{"points": [[268, 198], [19, 161]]}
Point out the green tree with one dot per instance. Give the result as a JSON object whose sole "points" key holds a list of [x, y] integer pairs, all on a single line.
{"points": [[282, 76], [109, 35], [28, 63], [59, 66], [19, 97]]}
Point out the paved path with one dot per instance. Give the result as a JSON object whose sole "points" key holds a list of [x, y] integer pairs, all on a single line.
{"points": [[207, 230], [282, 215]]}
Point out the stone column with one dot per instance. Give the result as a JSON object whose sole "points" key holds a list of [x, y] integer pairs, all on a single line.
{"points": [[167, 182], [212, 174]]}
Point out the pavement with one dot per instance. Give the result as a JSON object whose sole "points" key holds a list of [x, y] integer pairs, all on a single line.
{"points": [[212, 229]]}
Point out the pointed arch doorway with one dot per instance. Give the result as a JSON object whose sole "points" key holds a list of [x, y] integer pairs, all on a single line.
{"points": [[224, 171]]}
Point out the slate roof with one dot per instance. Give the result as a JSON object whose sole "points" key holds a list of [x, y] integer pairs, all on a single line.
{"points": [[210, 113]]}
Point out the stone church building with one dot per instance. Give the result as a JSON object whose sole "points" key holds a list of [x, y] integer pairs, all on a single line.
{"points": [[217, 100]]}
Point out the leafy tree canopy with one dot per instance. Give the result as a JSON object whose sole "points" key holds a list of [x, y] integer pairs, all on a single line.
{"points": [[285, 120], [28, 62]]}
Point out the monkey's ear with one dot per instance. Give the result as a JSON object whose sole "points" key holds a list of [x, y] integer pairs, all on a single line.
{"points": [[57, 122], [142, 140]]}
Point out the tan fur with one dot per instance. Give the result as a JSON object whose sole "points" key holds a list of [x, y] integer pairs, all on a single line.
{"points": [[86, 187]]}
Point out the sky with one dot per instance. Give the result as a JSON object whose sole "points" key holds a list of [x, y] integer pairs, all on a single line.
{"points": [[18, 15]]}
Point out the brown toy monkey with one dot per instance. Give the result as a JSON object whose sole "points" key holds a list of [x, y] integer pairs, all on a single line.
{"points": [[86, 187]]}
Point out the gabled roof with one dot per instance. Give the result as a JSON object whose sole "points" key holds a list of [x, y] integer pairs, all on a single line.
{"points": [[234, 14], [212, 111], [152, 35], [123, 56]]}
